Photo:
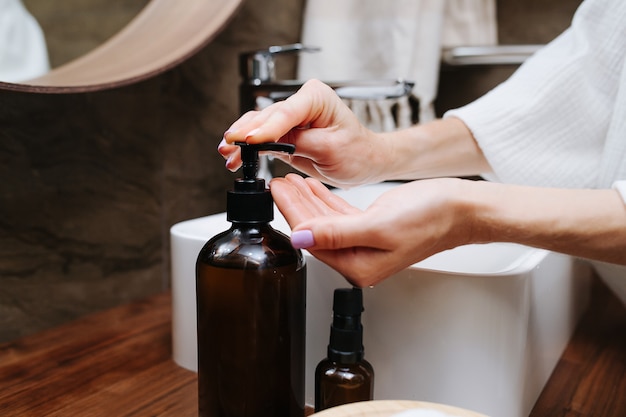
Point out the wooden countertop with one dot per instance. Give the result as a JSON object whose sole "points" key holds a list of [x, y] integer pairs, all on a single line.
{"points": [[118, 363]]}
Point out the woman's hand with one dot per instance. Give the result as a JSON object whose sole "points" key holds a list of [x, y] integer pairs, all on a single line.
{"points": [[403, 226], [331, 144], [418, 219]]}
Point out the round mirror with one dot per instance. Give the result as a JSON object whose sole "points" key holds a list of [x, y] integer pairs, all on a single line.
{"points": [[72, 28], [162, 34]]}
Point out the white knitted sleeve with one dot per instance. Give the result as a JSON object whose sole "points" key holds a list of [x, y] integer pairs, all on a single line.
{"points": [[547, 124]]}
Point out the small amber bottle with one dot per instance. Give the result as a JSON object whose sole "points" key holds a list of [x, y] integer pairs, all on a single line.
{"points": [[344, 376]]}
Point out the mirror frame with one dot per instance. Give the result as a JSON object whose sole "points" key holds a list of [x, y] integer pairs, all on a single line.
{"points": [[162, 35]]}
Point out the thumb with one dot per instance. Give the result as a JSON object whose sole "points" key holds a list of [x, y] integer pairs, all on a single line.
{"points": [[343, 243], [333, 232]]}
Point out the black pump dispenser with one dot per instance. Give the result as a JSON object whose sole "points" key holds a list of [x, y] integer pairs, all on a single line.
{"points": [[250, 201], [251, 308], [344, 376], [346, 330]]}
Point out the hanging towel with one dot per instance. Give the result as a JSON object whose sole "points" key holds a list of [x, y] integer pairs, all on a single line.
{"points": [[469, 23], [392, 39], [23, 52]]}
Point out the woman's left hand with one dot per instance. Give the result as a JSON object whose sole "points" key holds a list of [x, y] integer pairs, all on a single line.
{"points": [[418, 219], [403, 226]]}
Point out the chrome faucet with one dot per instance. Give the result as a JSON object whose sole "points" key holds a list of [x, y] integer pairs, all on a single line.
{"points": [[258, 73]]}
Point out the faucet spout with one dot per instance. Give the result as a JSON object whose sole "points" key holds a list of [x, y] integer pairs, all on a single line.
{"points": [[259, 66]]}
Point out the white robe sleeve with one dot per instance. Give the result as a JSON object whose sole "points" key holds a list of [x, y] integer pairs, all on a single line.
{"points": [[547, 125]]}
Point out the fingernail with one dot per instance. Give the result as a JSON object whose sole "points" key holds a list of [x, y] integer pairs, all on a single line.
{"points": [[302, 239], [229, 162], [222, 144], [253, 132], [227, 134]]}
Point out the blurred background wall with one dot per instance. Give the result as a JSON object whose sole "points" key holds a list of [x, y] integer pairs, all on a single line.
{"points": [[91, 183]]}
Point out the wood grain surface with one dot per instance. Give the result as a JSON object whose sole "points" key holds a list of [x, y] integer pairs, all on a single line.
{"points": [[118, 363]]}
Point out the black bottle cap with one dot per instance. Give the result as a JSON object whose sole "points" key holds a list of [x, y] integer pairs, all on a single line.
{"points": [[250, 201], [348, 301], [346, 330]]}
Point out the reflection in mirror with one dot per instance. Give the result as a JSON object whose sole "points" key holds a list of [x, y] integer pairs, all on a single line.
{"points": [[71, 28], [163, 34], [23, 51]]}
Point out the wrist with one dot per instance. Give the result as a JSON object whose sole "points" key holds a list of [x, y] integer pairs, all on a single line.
{"points": [[379, 156], [441, 148], [470, 206], [455, 207], [484, 203], [583, 223]]}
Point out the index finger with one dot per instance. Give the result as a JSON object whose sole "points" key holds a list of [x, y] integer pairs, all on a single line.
{"points": [[290, 202], [309, 104]]}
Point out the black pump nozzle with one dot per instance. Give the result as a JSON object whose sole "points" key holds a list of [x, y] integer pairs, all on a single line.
{"points": [[250, 155], [250, 201], [346, 330], [348, 301]]}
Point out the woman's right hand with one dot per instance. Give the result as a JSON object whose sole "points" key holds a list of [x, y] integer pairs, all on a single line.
{"points": [[331, 144]]}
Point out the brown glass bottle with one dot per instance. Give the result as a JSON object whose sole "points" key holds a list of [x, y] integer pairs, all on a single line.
{"points": [[251, 293], [251, 298], [344, 376]]}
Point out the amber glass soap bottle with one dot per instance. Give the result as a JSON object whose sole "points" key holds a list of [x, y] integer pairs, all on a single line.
{"points": [[344, 376], [251, 295]]}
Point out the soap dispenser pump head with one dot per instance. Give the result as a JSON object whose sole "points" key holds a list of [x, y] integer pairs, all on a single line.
{"points": [[250, 201], [250, 155]]}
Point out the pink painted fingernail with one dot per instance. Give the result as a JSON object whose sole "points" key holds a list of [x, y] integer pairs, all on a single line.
{"points": [[229, 163], [302, 239], [222, 144]]}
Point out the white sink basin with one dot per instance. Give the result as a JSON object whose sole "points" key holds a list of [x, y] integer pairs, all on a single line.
{"points": [[479, 326]]}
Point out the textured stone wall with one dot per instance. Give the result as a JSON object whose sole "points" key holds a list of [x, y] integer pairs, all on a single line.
{"points": [[91, 183]]}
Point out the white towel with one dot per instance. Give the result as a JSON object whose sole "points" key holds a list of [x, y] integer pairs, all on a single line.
{"points": [[23, 52], [392, 39], [469, 22]]}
